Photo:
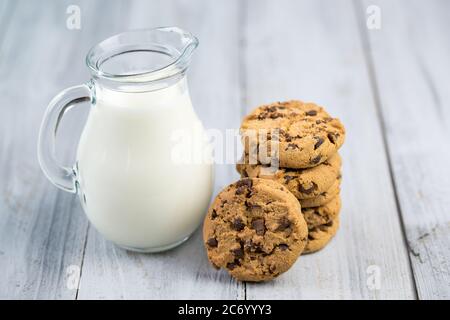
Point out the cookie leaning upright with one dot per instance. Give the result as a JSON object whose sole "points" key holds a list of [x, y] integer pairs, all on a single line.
{"points": [[308, 135], [255, 230]]}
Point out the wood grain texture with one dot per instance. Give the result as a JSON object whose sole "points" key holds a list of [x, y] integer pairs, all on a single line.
{"points": [[6, 10], [390, 88], [410, 59], [311, 50], [183, 273], [42, 230]]}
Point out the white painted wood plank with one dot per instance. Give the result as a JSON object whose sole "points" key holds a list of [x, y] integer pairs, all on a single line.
{"points": [[411, 60], [6, 9], [311, 50], [42, 230], [110, 272]]}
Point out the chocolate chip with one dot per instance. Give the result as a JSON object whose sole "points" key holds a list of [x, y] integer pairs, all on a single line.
{"points": [[288, 138], [231, 265], [250, 246], [244, 182], [288, 178], [309, 190], [238, 253], [262, 116], [318, 143], [243, 185], [332, 137], [271, 109], [255, 248], [212, 242], [241, 190], [237, 224], [284, 224], [283, 247], [249, 193], [259, 227], [213, 214], [310, 237], [316, 160], [252, 206], [276, 115], [311, 113]]}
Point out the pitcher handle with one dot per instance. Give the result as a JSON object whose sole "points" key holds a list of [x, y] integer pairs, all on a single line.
{"points": [[61, 176]]}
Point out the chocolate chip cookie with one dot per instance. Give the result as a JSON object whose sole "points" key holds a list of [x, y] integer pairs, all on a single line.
{"points": [[303, 183], [319, 236], [324, 197], [255, 230], [307, 134]]}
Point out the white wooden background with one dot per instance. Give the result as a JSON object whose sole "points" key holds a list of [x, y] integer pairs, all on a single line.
{"points": [[391, 88]]}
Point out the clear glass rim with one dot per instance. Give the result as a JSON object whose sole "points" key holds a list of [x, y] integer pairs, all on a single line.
{"points": [[97, 53]]}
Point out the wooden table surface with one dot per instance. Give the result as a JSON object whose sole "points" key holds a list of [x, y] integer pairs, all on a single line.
{"points": [[390, 87]]}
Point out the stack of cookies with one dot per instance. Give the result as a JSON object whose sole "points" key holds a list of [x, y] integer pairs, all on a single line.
{"points": [[257, 227], [309, 164]]}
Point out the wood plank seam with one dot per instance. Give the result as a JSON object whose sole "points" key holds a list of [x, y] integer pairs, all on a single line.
{"points": [[82, 260], [380, 120]]}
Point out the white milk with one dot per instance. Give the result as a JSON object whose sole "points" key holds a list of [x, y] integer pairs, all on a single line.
{"points": [[136, 195]]}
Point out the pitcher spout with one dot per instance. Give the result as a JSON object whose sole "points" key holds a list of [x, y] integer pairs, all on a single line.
{"points": [[187, 44], [142, 56]]}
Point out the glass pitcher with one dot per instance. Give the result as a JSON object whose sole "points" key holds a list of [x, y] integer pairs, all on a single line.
{"points": [[137, 171]]}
